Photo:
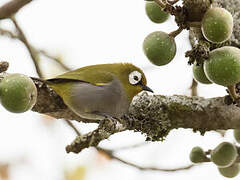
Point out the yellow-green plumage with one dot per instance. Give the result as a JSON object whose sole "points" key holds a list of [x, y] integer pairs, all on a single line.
{"points": [[106, 80]]}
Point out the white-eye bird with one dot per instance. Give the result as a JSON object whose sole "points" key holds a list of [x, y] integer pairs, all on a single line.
{"points": [[98, 91]]}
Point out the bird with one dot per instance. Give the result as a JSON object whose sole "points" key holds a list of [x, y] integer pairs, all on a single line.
{"points": [[98, 91]]}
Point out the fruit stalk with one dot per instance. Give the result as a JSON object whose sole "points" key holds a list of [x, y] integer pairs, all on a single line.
{"points": [[232, 92], [176, 32]]}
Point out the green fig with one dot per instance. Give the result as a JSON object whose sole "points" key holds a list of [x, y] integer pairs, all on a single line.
{"points": [[160, 48], [217, 25], [231, 171], [199, 75], [18, 93], [223, 66], [236, 134], [197, 155], [155, 13], [224, 154]]}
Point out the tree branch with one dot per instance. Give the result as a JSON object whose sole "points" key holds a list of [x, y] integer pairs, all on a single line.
{"points": [[12, 7], [106, 128], [154, 168], [110, 154], [56, 59], [131, 146], [73, 127], [34, 52], [152, 115], [150, 168], [31, 50], [8, 33], [193, 88]]}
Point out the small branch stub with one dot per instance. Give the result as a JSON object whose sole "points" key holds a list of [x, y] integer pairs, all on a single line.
{"points": [[3, 66], [106, 128]]}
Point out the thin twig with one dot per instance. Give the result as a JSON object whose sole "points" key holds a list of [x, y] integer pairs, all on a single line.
{"points": [[12, 7], [232, 92], [131, 146], [73, 127], [5, 32], [106, 128], [194, 88], [34, 50], [30, 49], [152, 168], [46, 54], [110, 154]]}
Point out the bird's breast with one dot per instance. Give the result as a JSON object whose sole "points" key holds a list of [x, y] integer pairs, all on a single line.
{"points": [[108, 99]]}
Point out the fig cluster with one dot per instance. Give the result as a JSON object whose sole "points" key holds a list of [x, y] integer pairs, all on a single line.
{"points": [[224, 156], [18, 93], [159, 47], [155, 13], [221, 66], [217, 25]]}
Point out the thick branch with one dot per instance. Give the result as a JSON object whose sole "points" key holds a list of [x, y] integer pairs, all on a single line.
{"points": [[155, 115], [12, 7]]}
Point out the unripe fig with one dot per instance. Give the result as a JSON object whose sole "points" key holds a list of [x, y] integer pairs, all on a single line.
{"points": [[197, 155], [223, 66], [18, 93], [236, 134], [155, 13], [199, 75], [231, 171], [159, 47], [217, 25], [224, 154]]}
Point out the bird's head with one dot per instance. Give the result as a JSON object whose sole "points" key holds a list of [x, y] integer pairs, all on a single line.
{"points": [[132, 78]]}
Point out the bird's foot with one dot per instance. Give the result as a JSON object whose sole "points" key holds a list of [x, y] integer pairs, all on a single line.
{"points": [[109, 122]]}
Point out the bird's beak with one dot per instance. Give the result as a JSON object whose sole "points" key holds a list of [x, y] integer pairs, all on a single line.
{"points": [[145, 88]]}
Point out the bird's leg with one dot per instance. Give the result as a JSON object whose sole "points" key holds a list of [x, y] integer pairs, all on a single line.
{"points": [[105, 115], [112, 122]]}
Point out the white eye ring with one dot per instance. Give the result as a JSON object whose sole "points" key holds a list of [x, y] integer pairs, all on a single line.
{"points": [[135, 77]]}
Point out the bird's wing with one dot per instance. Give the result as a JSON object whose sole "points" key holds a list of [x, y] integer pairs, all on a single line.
{"points": [[62, 84], [98, 78]]}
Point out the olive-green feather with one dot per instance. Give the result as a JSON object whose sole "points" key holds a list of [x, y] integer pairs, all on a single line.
{"points": [[97, 75]]}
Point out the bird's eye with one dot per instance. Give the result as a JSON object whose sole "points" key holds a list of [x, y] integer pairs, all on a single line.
{"points": [[135, 77]]}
